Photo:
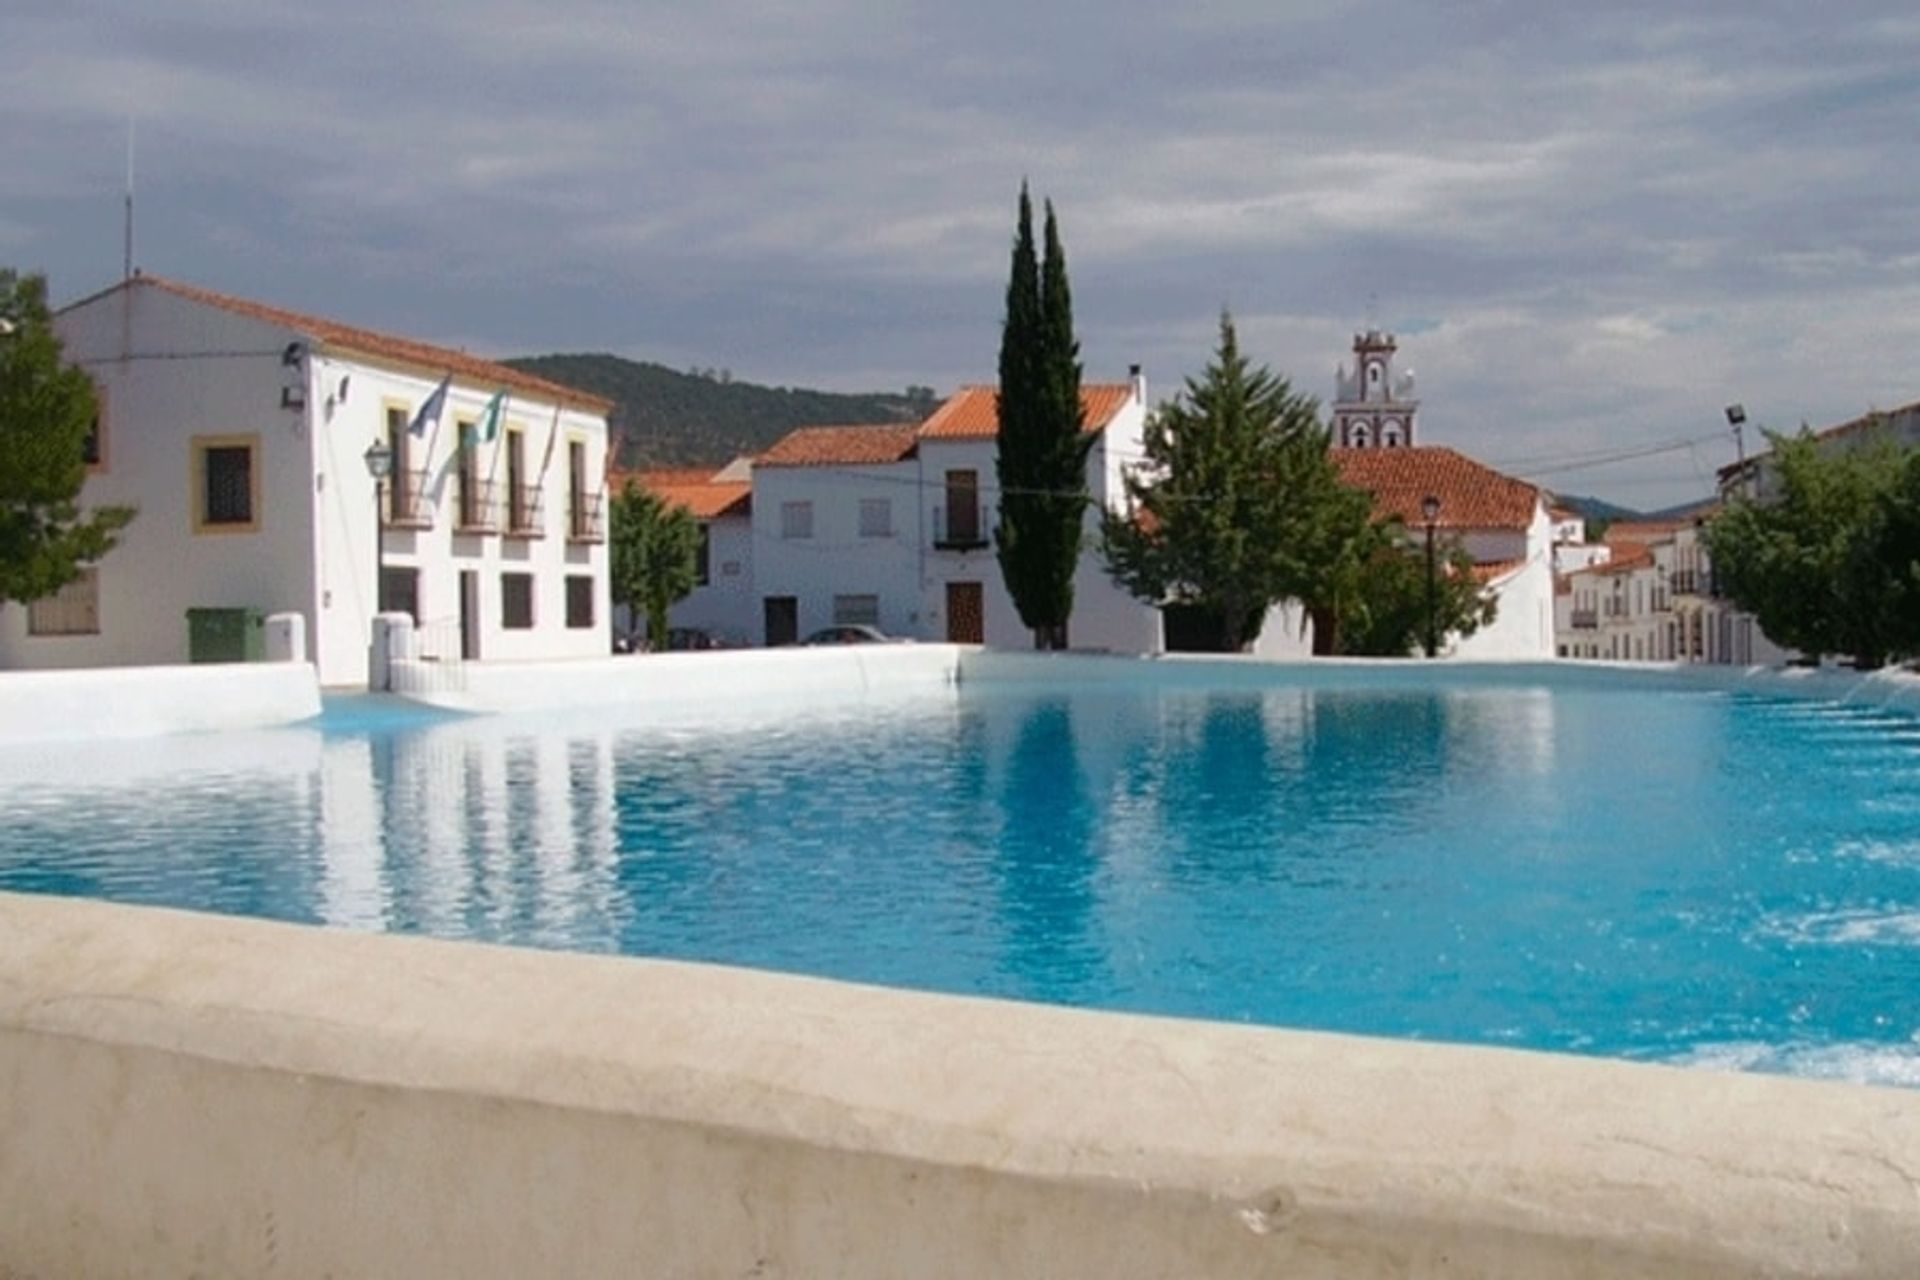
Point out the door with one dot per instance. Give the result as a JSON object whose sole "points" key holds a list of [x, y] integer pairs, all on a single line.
{"points": [[470, 615], [966, 613], [782, 620]]}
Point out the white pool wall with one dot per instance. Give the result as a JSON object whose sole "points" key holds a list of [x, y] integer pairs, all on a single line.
{"points": [[133, 702], [185, 1094]]}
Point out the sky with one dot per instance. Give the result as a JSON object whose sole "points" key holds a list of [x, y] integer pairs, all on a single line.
{"points": [[1591, 226]]}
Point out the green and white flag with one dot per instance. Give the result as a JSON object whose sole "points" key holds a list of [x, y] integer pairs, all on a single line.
{"points": [[489, 425]]}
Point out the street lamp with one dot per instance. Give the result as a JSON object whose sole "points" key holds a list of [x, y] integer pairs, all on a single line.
{"points": [[379, 460], [1430, 508]]}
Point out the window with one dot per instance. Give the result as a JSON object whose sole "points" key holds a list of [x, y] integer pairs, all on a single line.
{"points": [[516, 601], [703, 556], [93, 450], [519, 516], [579, 600], [796, 519], [226, 484], [400, 591], [876, 517], [961, 527], [856, 611], [73, 610]]}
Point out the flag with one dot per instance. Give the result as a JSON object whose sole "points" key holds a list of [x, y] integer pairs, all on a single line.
{"points": [[429, 415], [489, 425], [553, 434]]}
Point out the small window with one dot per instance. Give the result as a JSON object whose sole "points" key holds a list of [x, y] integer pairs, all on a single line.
{"points": [[876, 517], [516, 601], [93, 450], [703, 556], [796, 520], [73, 610], [856, 611], [579, 600], [226, 484]]}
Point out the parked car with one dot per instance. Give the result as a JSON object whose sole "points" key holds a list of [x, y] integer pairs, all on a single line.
{"points": [[692, 638], [849, 633]]}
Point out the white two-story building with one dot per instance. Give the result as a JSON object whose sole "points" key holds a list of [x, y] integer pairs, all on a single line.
{"points": [[241, 433], [892, 527]]}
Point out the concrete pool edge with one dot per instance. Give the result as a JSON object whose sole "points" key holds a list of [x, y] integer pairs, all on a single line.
{"points": [[186, 1092]]}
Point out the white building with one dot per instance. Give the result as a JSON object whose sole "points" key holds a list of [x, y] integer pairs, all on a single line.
{"points": [[892, 527], [239, 431], [1500, 522], [722, 603], [1652, 599]]}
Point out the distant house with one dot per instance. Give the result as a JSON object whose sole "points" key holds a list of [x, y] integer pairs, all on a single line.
{"points": [[1652, 598], [892, 527], [1502, 524], [722, 603], [240, 432]]}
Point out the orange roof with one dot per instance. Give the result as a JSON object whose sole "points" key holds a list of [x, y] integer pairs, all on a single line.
{"points": [[420, 355], [1641, 531], [1485, 571], [1472, 496], [840, 446], [692, 488], [973, 413], [1626, 555]]}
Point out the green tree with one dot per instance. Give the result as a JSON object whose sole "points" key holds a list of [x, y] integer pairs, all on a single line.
{"points": [[1386, 614], [1824, 563], [1238, 506], [1041, 448], [47, 411], [654, 549]]}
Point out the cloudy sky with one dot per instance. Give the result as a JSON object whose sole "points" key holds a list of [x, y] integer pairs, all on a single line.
{"points": [[1592, 226]]}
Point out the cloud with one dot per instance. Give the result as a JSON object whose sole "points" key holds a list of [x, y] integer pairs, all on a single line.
{"points": [[1600, 222]]}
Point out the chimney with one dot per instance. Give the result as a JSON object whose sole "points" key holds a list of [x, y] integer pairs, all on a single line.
{"points": [[1139, 381]]}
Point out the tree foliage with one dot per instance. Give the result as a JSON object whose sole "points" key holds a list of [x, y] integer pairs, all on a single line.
{"points": [[1042, 450], [1828, 562], [1238, 506], [47, 411], [654, 549], [1386, 616]]}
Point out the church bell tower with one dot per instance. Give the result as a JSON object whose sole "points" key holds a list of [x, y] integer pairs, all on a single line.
{"points": [[1372, 407]]}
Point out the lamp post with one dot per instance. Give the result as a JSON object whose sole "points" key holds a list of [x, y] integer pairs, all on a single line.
{"points": [[1430, 508], [379, 460]]}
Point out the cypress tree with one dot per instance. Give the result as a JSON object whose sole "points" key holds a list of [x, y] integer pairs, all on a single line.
{"points": [[1042, 449]]}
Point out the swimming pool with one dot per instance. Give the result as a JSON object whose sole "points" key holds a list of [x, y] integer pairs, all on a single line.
{"points": [[1628, 871]]}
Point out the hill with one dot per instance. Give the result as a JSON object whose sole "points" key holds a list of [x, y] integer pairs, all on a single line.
{"points": [[1594, 510], [664, 417]]}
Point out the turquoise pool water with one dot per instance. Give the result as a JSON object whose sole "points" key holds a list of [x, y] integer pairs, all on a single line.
{"points": [[1691, 877]]}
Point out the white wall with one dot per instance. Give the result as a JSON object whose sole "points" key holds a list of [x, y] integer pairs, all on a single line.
{"points": [[728, 606], [155, 405], [202, 370], [140, 702], [587, 1115], [838, 559]]}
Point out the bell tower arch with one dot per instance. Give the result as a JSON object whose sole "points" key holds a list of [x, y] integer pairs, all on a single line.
{"points": [[1373, 407]]}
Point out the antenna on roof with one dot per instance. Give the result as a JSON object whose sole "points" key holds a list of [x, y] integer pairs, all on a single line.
{"points": [[126, 258]]}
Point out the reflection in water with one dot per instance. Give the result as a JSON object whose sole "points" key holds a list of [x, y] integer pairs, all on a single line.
{"points": [[1632, 873]]}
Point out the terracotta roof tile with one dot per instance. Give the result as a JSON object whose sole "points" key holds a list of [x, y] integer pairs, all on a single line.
{"points": [[1626, 556], [695, 489], [973, 413], [1641, 531], [840, 446], [1472, 496], [427, 358]]}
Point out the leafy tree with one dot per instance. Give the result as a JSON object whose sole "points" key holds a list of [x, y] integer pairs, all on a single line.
{"points": [[1042, 449], [1387, 614], [654, 550], [1238, 506], [1826, 563], [47, 411]]}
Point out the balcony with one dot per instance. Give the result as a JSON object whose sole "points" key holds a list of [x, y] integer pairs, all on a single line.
{"points": [[526, 517], [1585, 619], [1685, 582], [479, 510], [407, 504], [587, 518], [960, 527]]}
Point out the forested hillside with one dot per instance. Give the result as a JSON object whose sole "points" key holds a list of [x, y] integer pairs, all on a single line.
{"points": [[666, 417]]}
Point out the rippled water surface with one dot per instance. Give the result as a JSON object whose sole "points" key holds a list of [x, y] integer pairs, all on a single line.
{"points": [[1691, 877]]}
